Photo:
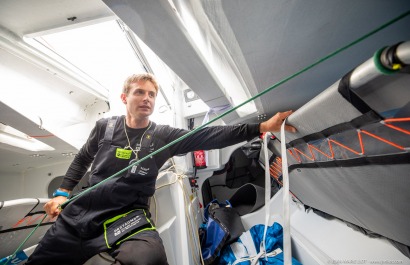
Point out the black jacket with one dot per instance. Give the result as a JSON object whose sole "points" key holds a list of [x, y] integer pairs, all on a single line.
{"points": [[131, 188]]}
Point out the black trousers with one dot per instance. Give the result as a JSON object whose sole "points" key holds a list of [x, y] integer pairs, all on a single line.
{"points": [[63, 245]]}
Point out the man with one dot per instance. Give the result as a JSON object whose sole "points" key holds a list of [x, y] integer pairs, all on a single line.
{"points": [[114, 216]]}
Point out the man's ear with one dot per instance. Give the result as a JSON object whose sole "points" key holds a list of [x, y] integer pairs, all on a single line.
{"points": [[124, 98]]}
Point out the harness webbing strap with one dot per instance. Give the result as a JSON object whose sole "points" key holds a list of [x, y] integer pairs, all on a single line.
{"points": [[268, 184], [109, 130], [287, 250]]}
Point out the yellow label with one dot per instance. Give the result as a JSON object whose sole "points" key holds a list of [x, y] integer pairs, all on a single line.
{"points": [[123, 153]]}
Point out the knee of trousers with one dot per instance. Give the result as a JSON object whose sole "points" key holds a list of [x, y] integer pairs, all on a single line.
{"points": [[145, 251], [153, 257]]}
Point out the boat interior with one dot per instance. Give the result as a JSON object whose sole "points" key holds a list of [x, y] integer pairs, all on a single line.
{"points": [[339, 186]]}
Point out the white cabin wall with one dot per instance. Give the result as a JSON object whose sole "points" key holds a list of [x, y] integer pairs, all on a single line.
{"points": [[46, 98], [11, 186], [178, 110], [36, 181], [63, 109], [33, 183], [40, 88]]}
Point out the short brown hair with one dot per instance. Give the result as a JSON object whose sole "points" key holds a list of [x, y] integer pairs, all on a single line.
{"points": [[136, 78]]}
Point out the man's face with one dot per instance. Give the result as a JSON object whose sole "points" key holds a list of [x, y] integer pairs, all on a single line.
{"points": [[140, 100]]}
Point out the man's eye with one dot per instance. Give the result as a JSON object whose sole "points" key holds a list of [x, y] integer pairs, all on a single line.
{"points": [[152, 95]]}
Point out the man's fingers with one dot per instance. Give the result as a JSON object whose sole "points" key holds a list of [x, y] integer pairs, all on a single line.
{"points": [[51, 208], [47, 208], [56, 212], [290, 128], [284, 115], [274, 123]]}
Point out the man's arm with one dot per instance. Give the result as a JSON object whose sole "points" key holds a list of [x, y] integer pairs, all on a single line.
{"points": [[75, 172], [215, 137]]}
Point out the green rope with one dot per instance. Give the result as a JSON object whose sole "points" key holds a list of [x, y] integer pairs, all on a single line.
{"points": [[25, 240], [231, 110]]}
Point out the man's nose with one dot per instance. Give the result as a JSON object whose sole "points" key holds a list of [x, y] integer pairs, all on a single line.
{"points": [[146, 96]]}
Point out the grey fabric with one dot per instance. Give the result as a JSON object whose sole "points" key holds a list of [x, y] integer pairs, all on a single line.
{"points": [[381, 88], [11, 240], [17, 220], [248, 198], [374, 197], [320, 113], [13, 211]]}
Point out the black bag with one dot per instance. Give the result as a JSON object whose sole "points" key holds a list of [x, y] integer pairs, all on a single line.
{"points": [[222, 227]]}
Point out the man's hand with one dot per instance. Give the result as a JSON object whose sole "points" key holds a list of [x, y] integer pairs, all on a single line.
{"points": [[52, 207], [274, 123]]}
